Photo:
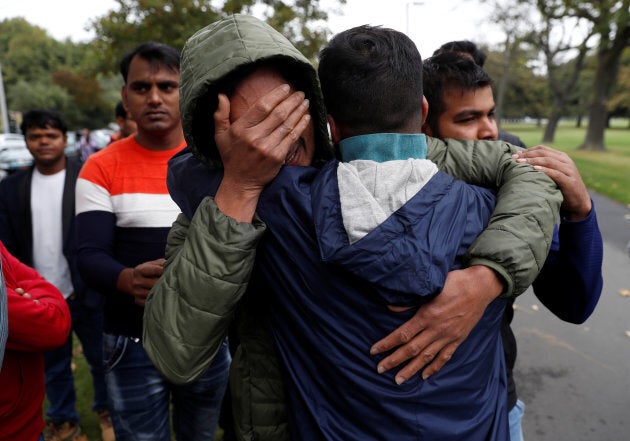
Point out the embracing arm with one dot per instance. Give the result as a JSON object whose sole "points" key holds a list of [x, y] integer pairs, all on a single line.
{"points": [[517, 239], [571, 282], [187, 314], [210, 259], [505, 258]]}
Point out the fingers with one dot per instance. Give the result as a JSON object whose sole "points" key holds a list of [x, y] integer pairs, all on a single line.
{"points": [[26, 295], [294, 110], [546, 157], [151, 269], [443, 357], [417, 350], [399, 336], [563, 171], [222, 115], [433, 354]]}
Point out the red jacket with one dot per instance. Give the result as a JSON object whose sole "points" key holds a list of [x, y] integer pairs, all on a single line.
{"points": [[34, 327]]}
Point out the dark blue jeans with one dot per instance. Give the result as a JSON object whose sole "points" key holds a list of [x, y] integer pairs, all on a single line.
{"points": [[87, 324], [140, 396]]}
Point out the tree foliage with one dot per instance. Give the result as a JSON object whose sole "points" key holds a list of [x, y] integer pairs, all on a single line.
{"points": [[619, 103], [81, 80], [611, 21], [608, 21], [173, 21], [39, 71], [558, 37]]}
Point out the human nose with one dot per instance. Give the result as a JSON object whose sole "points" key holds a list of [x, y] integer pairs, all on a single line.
{"points": [[154, 96], [488, 129]]}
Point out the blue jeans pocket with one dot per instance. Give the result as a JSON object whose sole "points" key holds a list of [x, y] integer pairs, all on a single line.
{"points": [[114, 347]]}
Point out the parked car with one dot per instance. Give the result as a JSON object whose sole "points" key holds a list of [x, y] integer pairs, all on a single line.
{"points": [[102, 137], [71, 145], [13, 154]]}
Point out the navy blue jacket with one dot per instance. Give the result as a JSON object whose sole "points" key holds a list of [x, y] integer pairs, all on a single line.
{"points": [[16, 229], [329, 304]]}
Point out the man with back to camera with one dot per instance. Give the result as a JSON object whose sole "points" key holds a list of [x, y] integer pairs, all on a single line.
{"points": [[240, 24], [37, 225], [124, 213], [461, 105]]}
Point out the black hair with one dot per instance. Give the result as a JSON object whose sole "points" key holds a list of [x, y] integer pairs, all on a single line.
{"points": [[464, 48], [371, 79], [41, 119], [447, 71], [120, 111], [153, 52]]}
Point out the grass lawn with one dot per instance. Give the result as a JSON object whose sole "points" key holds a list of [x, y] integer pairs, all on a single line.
{"points": [[607, 172]]}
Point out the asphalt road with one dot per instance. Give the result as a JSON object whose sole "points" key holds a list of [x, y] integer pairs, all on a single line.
{"points": [[575, 379]]}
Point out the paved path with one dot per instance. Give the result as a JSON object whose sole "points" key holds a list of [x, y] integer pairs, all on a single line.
{"points": [[575, 379]]}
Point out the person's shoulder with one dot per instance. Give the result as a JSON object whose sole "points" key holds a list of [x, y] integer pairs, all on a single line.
{"points": [[511, 138], [112, 152], [15, 179]]}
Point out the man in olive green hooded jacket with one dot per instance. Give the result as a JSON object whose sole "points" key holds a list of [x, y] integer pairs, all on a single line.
{"points": [[210, 256]]}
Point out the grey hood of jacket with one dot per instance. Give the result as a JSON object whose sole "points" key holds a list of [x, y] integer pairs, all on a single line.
{"points": [[221, 53]]}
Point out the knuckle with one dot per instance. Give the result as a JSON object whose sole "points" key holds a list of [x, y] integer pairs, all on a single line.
{"points": [[412, 350], [264, 107], [405, 336], [281, 114]]}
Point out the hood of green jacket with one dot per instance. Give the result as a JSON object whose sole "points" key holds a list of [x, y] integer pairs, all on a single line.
{"points": [[225, 49]]}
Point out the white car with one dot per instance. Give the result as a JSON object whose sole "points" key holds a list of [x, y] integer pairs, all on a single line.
{"points": [[13, 154]]}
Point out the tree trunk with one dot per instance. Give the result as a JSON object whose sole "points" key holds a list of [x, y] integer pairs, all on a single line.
{"points": [[605, 77], [552, 125], [510, 49]]}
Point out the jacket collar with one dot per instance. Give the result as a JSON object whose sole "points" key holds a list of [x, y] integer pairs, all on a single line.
{"points": [[382, 147]]}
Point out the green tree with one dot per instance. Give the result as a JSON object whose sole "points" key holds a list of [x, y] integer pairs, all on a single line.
{"points": [[611, 21], [557, 38], [173, 21], [27, 95], [620, 99]]}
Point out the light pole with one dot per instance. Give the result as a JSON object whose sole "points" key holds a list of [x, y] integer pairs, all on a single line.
{"points": [[3, 106], [411, 4]]}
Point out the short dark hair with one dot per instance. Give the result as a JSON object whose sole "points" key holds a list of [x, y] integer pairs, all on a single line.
{"points": [[41, 119], [465, 48], [371, 78], [448, 71], [120, 110], [153, 52]]}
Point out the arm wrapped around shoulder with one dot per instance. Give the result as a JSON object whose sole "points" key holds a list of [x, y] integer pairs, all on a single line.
{"points": [[517, 239]]}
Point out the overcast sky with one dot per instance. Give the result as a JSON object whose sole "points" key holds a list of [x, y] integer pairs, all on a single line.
{"points": [[429, 23]]}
